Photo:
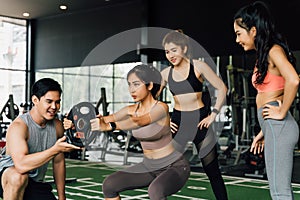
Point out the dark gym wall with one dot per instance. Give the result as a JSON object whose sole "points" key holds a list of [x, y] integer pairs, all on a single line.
{"points": [[207, 22], [66, 40], [62, 41], [210, 22]]}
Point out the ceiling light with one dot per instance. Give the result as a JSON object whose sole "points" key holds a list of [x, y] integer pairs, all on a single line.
{"points": [[26, 14], [63, 7]]}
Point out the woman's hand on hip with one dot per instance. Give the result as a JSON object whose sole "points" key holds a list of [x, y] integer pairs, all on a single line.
{"points": [[273, 112]]}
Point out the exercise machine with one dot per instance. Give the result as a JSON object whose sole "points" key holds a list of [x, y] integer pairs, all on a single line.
{"points": [[10, 110]]}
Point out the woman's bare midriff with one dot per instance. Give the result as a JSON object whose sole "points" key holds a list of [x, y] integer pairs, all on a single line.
{"points": [[188, 102], [159, 153], [265, 97]]}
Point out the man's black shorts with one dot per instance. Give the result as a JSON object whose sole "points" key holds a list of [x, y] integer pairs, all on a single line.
{"points": [[34, 190]]}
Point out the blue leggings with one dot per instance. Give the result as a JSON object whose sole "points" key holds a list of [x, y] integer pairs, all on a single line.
{"points": [[280, 136]]}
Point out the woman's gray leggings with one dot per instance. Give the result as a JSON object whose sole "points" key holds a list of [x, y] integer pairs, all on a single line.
{"points": [[280, 136]]}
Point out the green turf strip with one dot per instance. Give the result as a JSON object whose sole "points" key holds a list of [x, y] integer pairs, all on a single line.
{"points": [[89, 177]]}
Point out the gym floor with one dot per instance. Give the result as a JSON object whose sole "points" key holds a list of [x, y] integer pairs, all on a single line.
{"points": [[84, 181]]}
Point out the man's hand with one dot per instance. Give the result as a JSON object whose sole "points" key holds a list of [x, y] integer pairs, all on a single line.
{"points": [[62, 146]]}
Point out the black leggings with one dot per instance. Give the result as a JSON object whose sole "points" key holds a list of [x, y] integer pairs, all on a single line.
{"points": [[187, 122], [161, 183], [210, 165]]}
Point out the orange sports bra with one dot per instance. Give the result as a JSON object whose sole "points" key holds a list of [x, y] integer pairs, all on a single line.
{"points": [[271, 83]]}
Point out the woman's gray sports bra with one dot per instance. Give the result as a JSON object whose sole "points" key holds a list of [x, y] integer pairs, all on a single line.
{"points": [[154, 135]]}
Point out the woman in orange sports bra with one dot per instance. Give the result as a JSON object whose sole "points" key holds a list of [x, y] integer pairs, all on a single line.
{"points": [[271, 83], [163, 170], [276, 81]]}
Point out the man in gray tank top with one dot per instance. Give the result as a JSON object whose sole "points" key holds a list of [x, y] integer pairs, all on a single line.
{"points": [[32, 140]]}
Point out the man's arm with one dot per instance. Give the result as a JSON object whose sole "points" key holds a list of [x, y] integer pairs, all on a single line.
{"points": [[59, 166], [16, 146], [59, 174]]}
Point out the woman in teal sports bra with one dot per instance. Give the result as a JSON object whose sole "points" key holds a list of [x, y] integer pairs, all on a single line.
{"points": [[163, 170], [277, 82]]}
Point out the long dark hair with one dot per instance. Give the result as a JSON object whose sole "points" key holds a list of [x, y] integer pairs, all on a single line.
{"points": [[148, 74], [258, 15]]}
